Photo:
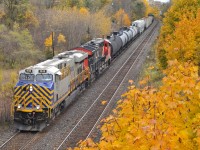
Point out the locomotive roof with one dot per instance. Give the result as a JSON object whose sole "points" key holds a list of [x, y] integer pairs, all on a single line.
{"points": [[52, 64], [90, 47], [97, 41]]}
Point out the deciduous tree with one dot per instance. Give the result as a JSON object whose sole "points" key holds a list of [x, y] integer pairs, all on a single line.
{"points": [[178, 34], [20, 12], [122, 19]]}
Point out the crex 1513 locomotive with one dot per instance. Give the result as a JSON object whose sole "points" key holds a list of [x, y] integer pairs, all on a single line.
{"points": [[43, 88]]}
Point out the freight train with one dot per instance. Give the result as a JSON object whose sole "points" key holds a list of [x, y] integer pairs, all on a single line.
{"points": [[44, 89]]}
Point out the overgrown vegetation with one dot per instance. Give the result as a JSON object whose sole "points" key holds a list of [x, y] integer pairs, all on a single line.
{"points": [[151, 70], [6, 93]]}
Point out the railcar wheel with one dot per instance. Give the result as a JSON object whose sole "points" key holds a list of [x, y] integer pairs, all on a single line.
{"points": [[109, 62], [86, 83], [96, 74]]}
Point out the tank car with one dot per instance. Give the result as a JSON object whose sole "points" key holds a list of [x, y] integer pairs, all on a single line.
{"points": [[43, 89], [115, 43], [135, 31], [99, 55], [121, 34], [129, 32]]}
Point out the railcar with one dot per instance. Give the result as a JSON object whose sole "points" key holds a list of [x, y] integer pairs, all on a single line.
{"points": [[124, 37], [148, 21], [99, 55], [115, 43], [131, 32], [140, 24], [135, 31], [152, 16], [42, 90], [128, 32]]}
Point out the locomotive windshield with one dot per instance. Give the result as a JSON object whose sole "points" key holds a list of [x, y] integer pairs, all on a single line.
{"points": [[44, 77], [27, 77]]}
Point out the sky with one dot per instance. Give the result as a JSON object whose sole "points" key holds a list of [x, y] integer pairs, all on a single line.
{"points": [[164, 1]]}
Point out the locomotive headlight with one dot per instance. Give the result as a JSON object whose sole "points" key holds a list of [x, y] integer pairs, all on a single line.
{"points": [[37, 107], [31, 88], [19, 106]]}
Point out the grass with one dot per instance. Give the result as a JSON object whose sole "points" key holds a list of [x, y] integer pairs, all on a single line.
{"points": [[151, 69]]}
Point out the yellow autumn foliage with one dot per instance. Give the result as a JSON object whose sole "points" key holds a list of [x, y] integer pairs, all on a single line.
{"points": [[61, 38], [179, 37], [156, 118], [30, 19], [48, 41], [84, 11], [150, 9], [122, 18], [102, 23]]}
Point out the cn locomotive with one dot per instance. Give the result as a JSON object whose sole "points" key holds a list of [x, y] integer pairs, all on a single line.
{"points": [[44, 89]]}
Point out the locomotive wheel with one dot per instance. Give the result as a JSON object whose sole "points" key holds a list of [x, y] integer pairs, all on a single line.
{"points": [[96, 74], [62, 105]]}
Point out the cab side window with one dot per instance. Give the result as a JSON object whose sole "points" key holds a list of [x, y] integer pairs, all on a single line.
{"points": [[57, 78]]}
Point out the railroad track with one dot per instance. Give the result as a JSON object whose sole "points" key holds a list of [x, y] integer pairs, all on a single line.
{"points": [[85, 126], [19, 141], [6, 138]]}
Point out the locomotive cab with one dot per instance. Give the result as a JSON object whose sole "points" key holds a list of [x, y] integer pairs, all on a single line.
{"points": [[33, 95]]}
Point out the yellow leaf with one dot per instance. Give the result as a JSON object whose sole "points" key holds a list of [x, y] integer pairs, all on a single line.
{"points": [[122, 18], [48, 41], [131, 81], [103, 102], [150, 68], [84, 11], [61, 38], [114, 111]]}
